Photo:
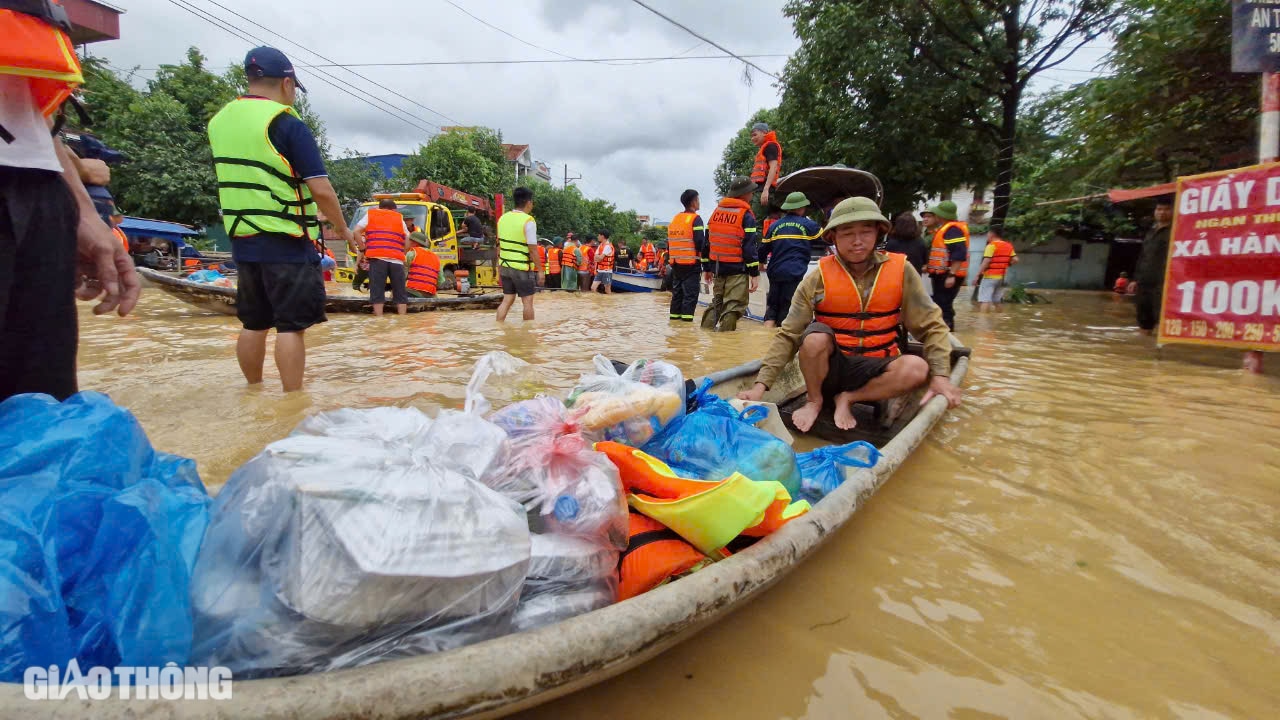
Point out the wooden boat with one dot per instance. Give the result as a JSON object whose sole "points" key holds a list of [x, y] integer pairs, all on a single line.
{"points": [[223, 300], [501, 676], [631, 281]]}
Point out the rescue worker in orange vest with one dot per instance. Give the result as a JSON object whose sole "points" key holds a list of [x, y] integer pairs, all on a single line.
{"points": [[569, 264], [996, 259], [1122, 284], [542, 262], [731, 257], [767, 169], [844, 322], [424, 267], [383, 237], [648, 257], [604, 259], [687, 243], [553, 266], [948, 256], [117, 217], [56, 245]]}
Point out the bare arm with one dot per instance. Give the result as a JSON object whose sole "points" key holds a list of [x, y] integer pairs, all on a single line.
{"points": [[101, 258], [986, 263], [327, 200]]}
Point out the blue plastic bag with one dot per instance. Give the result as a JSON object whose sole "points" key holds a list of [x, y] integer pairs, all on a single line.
{"points": [[98, 537], [715, 441], [820, 469]]}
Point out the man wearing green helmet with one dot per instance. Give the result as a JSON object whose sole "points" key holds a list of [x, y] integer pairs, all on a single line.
{"points": [[844, 324]]}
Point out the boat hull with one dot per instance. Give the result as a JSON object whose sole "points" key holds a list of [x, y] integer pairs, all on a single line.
{"points": [[501, 676], [624, 281], [223, 300]]}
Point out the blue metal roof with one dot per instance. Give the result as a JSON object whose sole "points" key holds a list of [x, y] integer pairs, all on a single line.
{"points": [[155, 227]]}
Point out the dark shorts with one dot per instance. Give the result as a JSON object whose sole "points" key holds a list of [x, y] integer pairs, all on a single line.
{"points": [[846, 372], [518, 282], [286, 296], [379, 272], [38, 332], [1147, 304]]}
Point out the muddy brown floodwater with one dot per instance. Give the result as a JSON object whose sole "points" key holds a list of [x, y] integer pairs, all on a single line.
{"points": [[1094, 534]]}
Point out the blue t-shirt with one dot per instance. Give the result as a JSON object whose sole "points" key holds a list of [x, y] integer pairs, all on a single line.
{"points": [[786, 247], [295, 142]]}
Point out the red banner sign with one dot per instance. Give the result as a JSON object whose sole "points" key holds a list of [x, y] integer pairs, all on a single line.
{"points": [[1222, 281]]}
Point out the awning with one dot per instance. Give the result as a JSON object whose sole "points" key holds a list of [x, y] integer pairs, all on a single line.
{"points": [[1119, 196], [142, 226]]}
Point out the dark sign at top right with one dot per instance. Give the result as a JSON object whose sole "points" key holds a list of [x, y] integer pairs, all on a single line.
{"points": [[1255, 36]]}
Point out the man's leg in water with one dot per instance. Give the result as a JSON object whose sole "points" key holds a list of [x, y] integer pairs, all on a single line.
{"points": [[902, 376]]}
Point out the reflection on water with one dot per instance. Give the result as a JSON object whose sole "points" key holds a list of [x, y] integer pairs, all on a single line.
{"points": [[1095, 534]]}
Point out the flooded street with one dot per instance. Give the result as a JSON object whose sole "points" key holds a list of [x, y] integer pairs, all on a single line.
{"points": [[1094, 534]]}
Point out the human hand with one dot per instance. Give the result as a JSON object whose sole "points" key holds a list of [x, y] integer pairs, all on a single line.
{"points": [[950, 282], [754, 285], [94, 172], [764, 199], [106, 271], [941, 385], [754, 394], [707, 277]]}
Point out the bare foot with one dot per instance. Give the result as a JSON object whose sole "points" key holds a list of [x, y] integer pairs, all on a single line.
{"points": [[844, 412], [805, 417]]}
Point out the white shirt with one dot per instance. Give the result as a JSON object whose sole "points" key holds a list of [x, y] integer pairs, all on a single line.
{"points": [[531, 232], [364, 223], [33, 145]]}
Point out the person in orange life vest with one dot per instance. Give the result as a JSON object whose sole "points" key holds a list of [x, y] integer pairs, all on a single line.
{"points": [[588, 268], [844, 323], [605, 257], [648, 257], [50, 222], [117, 217], [687, 243], [383, 238], [1122, 284], [570, 256], [423, 265], [542, 262], [948, 256], [554, 253], [767, 169], [996, 260], [731, 257]]}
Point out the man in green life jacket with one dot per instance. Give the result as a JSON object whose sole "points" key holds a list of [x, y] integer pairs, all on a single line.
{"points": [[271, 180], [518, 263]]}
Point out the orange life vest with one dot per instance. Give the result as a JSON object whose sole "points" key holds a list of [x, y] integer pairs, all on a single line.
{"points": [[424, 272], [654, 555], [726, 230], [938, 254], [43, 54], [384, 236], [648, 255], [542, 255], [663, 259], [1000, 259], [553, 261], [1121, 285], [604, 262], [760, 171], [680, 239], [124, 239], [870, 330], [569, 258]]}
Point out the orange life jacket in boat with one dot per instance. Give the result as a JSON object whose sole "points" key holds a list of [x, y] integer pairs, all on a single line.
{"points": [[655, 554], [870, 330]]}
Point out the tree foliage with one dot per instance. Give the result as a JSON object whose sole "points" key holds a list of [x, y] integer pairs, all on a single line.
{"points": [[560, 211], [354, 178], [468, 159]]}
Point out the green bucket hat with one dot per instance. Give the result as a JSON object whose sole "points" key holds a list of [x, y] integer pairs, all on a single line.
{"points": [[856, 209], [420, 238], [945, 210], [741, 186], [795, 200]]}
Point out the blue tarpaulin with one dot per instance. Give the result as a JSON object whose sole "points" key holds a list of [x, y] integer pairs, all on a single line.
{"points": [[137, 228]]}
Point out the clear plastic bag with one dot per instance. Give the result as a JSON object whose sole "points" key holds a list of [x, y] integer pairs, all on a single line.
{"points": [[392, 427], [500, 379], [629, 407], [100, 534], [566, 486], [568, 576], [715, 441], [326, 553], [820, 470]]}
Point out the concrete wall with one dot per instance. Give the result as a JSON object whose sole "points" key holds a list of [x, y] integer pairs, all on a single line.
{"points": [[1049, 265]]}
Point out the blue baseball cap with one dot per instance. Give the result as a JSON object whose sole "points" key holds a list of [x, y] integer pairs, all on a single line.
{"points": [[268, 62]]}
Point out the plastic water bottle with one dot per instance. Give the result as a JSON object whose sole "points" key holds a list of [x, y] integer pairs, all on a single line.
{"points": [[464, 286]]}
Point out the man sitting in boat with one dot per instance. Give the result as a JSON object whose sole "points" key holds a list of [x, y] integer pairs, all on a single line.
{"points": [[844, 321]]}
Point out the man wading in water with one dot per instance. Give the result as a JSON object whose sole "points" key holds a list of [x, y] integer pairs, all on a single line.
{"points": [[844, 321]]}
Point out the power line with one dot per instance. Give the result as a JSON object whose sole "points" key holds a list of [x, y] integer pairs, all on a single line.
{"points": [[488, 24], [424, 63], [328, 60], [706, 40], [253, 40]]}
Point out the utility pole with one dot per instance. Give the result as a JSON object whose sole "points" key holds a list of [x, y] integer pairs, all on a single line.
{"points": [[567, 178]]}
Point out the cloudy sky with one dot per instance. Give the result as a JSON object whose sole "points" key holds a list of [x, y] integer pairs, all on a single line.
{"points": [[638, 134]]}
